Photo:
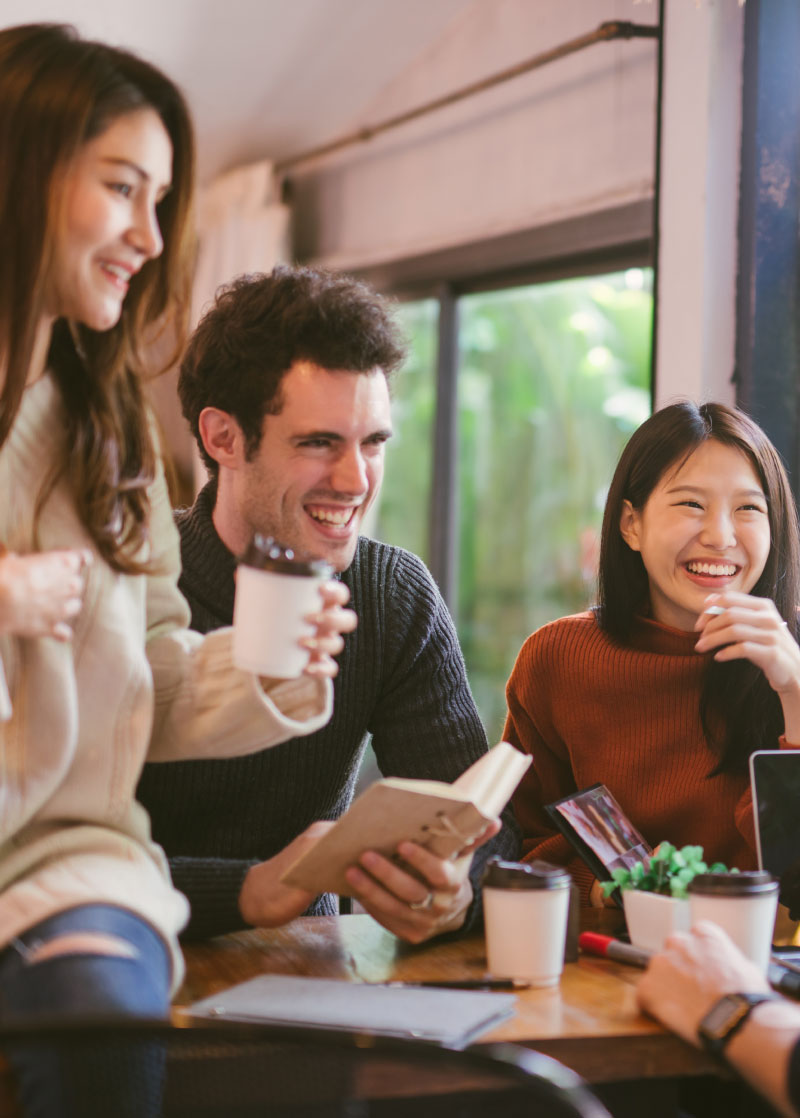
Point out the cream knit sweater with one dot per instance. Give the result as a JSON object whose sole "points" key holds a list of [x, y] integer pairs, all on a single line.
{"points": [[134, 683]]}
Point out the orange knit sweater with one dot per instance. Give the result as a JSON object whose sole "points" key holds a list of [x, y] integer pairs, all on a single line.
{"points": [[591, 710]]}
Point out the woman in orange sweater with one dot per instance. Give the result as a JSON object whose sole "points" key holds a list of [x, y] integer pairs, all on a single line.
{"points": [[689, 662]]}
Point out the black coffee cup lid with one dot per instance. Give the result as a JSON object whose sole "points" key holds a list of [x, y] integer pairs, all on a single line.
{"points": [[749, 883], [266, 554], [524, 875]]}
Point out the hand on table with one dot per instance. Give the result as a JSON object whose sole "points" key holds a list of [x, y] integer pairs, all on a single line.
{"points": [[695, 970], [42, 593], [264, 901], [416, 908], [332, 620]]}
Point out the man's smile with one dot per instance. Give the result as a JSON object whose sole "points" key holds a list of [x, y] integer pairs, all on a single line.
{"points": [[332, 514]]}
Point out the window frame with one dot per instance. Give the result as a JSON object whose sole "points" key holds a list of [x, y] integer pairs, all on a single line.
{"points": [[611, 240]]}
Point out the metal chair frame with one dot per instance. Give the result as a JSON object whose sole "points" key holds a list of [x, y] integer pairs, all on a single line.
{"points": [[433, 1070]]}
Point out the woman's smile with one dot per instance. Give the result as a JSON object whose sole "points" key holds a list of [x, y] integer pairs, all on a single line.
{"points": [[704, 528]]}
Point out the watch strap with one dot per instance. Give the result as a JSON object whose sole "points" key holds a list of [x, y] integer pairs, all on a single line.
{"points": [[726, 1017]]}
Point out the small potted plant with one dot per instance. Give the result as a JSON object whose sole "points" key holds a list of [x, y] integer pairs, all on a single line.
{"points": [[654, 892]]}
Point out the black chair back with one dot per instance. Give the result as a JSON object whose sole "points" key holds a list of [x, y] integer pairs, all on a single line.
{"points": [[232, 1070]]}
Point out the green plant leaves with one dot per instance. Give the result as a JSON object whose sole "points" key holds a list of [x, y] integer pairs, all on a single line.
{"points": [[668, 871]]}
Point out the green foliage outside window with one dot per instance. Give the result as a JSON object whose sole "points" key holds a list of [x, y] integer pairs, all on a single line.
{"points": [[553, 379]]}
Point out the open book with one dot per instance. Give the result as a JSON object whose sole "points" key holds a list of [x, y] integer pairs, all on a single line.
{"points": [[444, 818]]}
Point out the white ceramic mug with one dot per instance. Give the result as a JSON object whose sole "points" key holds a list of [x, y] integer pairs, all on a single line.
{"points": [[275, 592], [525, 907], [743, 904]]}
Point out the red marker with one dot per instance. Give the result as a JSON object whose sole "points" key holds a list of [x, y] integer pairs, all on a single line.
{"points": [[595, 944]]}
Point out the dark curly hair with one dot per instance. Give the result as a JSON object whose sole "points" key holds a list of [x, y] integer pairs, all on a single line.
{"points": [[261, 324]]}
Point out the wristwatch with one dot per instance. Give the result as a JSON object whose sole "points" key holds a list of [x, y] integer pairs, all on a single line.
{"points": [[725, 1018]]}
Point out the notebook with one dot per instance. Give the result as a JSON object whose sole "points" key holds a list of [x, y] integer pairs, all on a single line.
{"points": [[449, 1017]]}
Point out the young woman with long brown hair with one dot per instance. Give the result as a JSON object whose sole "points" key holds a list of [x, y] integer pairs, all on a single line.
{"points": [[96, 152]]}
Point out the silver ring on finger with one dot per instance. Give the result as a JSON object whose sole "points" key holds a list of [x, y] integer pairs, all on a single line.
{"points": [[426, 902]]}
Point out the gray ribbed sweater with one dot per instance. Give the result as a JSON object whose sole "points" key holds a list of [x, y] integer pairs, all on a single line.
{"points": [[401, 679]]}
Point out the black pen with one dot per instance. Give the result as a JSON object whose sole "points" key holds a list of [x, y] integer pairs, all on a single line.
{"points": [[467, 983], [789, 964], [787, 981]]}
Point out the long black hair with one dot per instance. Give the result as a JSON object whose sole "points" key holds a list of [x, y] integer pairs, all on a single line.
{"points": [[740, 711]]}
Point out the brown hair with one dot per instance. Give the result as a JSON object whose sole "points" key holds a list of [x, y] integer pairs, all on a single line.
{"points": [[260, 325], [736, 695], [58, 91]]}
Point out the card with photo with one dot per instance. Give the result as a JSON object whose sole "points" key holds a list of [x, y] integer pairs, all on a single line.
{"points": [[599, 830]]}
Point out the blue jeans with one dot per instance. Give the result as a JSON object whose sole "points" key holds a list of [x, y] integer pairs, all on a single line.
{"points": [[118, 1077]]}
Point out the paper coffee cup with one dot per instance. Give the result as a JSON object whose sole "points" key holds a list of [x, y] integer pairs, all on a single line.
{"points": [[275, 592], [525, 906], [743, 904]]}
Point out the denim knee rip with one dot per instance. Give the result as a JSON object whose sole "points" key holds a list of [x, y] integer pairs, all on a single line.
{"points": [[63, 943]]}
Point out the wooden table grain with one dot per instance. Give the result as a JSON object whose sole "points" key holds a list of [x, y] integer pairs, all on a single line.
{"points": [[590, 1021]]}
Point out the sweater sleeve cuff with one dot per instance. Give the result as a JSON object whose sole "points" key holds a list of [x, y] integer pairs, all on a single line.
{"points": [[212, 887], [304, 705]]}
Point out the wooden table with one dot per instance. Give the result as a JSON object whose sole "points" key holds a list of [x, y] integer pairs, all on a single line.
{"points": [[589, 1021]]}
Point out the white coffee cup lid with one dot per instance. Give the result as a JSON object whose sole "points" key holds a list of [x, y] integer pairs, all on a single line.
{"points": [[524, 875], [749, 883]]}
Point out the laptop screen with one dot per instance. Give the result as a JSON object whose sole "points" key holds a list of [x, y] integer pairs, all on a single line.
{"points": [[775, 780]]}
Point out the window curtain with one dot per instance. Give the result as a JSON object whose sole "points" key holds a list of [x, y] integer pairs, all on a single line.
{"points": [[242, 227]]}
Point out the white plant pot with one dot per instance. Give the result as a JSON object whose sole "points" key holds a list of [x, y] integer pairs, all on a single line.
{"points": [[652, 917]]}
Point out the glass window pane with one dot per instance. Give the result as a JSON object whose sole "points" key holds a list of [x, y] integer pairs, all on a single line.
{"points": [[401, 515], [553, 379]]}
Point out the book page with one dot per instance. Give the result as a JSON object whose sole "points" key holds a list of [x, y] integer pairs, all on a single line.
{"points": [[428, 787], [380, 819], [491, 780], [487, 783], [443, 818]]}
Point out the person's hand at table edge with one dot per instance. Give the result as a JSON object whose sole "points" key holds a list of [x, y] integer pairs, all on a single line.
{"points": [[596, 898], [688, 978], [264, 901], [416, 907]]}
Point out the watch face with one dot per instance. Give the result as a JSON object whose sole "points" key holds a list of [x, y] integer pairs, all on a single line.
{"points": [[725, 1018], [725, 1014]]}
